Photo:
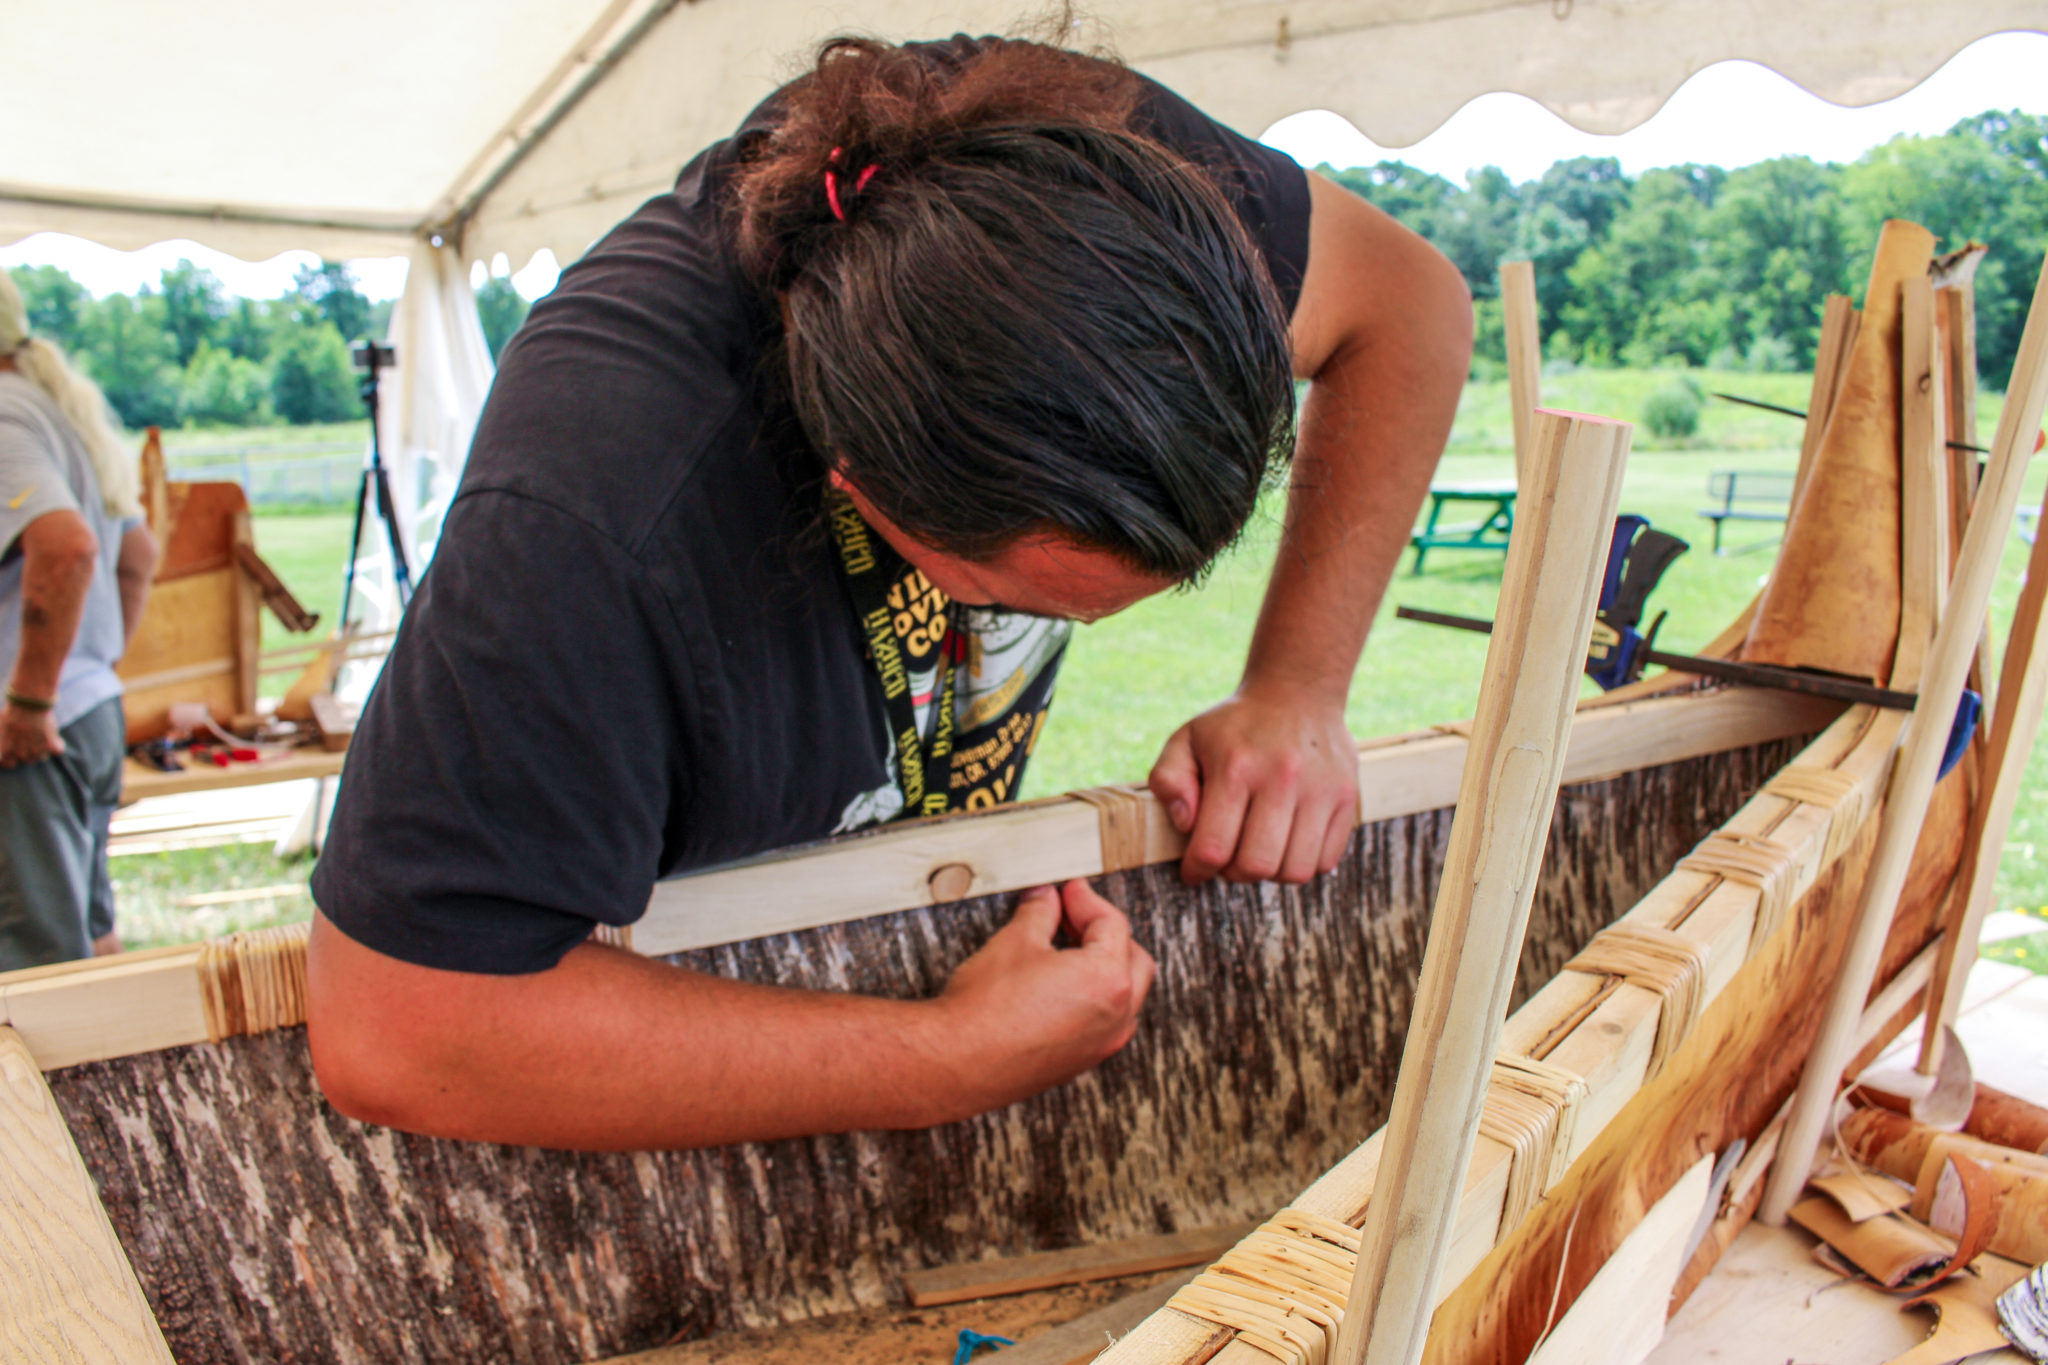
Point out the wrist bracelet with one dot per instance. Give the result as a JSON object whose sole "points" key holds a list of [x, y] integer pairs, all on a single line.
{"points": [[15, 698]]}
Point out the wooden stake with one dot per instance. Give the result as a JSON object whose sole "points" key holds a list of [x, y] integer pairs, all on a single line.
{"points": [[2022, 682], [67, 1292], [248, 622], [1955, 322], [1525, 354], [1505, 801], [1925, 737]]}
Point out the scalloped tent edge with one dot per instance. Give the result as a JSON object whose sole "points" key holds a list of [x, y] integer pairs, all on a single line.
{"points": [[453, 132]]}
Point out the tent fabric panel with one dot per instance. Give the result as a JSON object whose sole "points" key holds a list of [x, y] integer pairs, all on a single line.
{"points": [[375, 105], [1396, 68]]}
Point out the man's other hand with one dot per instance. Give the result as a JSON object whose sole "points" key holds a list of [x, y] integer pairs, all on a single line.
{"points": [[1028, 1014], [1264, 785], [27, 736]]}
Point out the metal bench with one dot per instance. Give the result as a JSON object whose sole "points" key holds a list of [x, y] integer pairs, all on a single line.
{"points": [[1747, 495], [1489, 533]]}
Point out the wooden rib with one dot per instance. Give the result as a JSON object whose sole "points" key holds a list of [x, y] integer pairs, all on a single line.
{"points": [[2022, 683], [1955, 334], [1505, 801], [1525, 354], [1054, 839], [67, 1291], [1913, 778], [1923, 485]]}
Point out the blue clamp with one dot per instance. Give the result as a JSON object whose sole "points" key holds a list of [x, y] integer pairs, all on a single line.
{"points": [[1968, 711], [972, 1341]]}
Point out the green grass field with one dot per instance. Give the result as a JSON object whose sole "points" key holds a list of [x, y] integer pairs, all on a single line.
{"points": [[1130, 681]]}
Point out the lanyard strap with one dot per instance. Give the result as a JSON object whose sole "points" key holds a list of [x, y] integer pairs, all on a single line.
{"points": [[924, 763]]}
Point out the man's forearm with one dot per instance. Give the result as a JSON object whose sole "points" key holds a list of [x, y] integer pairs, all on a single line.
{"points": [[133, 569], [57, 568], [609, 1051], [1378, 414]]}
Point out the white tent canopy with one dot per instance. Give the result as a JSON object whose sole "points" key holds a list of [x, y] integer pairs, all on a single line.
{"points": [[513, 125], [454, 130]]}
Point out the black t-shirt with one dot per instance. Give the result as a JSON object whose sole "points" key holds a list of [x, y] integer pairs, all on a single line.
{"points": [[633, 655]]}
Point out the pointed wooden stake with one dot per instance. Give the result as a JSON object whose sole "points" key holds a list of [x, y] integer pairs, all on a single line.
{"points": [[1505, 800], [1525, 355]]}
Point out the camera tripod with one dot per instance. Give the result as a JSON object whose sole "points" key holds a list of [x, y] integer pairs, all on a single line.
{"points": [[370, 358]]}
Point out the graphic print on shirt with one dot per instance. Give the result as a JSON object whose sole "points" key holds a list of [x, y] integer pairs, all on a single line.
{"points": [[1001, 663]]}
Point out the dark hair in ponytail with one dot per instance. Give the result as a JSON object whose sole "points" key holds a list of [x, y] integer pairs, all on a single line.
{"points": [[1028, 318]]}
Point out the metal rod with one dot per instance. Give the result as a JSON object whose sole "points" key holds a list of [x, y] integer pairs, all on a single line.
{"points": [[1759, 675], [1795, 412]]}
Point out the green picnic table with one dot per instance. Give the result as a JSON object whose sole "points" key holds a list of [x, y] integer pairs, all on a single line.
{"points": [[1489, 533]]}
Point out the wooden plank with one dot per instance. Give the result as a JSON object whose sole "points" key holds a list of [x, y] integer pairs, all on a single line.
{"points": [[187, 623], [1074, 1265], [67, 1292], [2022, 684], [1505, 803], [139, 781], [1921, 748], [1083, 1339], [1051, 840], [113, 1010], [1619, 1318], [1525, 355]]}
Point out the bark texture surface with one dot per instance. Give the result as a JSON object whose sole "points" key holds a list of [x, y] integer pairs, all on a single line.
{"points": [[266, 1227]]}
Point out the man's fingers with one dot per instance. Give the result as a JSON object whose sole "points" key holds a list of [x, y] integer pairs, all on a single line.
{"points": [[1144, 970], [1037, 916], [1095, 922], [1176, 780], [1305, 841], [1337, 837], [1213, 842], [1263, 842]]}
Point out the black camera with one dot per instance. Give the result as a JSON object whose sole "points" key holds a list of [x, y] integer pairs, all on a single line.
{"points": [[371, 357]]}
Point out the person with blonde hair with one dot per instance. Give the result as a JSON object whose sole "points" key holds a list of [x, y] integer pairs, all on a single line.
{"points": [[75, 564]]}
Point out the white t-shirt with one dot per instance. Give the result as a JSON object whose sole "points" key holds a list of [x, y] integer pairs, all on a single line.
{"points": [[44, 468]]}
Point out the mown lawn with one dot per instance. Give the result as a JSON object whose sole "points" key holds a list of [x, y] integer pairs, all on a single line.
{"points": [[1130, 681]]}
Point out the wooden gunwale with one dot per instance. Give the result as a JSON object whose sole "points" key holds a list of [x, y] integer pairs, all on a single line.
{"points": [[117, 1007]]}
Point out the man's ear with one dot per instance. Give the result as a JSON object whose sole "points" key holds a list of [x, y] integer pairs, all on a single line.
{"points": [[838, 479]]}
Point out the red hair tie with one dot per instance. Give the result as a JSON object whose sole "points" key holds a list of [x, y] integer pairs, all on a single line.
{"points": [[860, 182]]}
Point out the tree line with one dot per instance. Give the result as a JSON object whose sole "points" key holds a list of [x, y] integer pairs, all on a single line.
{"points": [[185, 353], [1683, 265], [1700, 266]]}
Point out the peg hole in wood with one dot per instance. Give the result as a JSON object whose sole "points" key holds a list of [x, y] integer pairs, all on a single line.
{"points": [[951, 882]]}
